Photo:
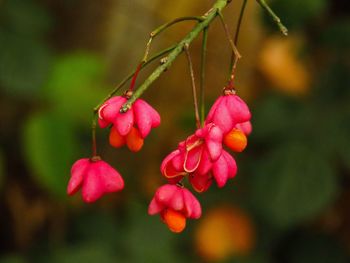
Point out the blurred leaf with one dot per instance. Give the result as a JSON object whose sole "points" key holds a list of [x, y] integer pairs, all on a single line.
{"points": [[147, 239], [108, 232], [317, 249], [87, 253], [74, 86], [296, 13], [292, 184], [50, 148], [336, 36], [12, 259], [24, 17], [275, 117], [2, 169], [24, 64]]}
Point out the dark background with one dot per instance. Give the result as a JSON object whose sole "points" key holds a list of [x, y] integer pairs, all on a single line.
{"points": [[290, 201]]}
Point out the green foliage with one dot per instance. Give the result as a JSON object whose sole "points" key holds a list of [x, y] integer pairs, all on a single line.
{"points": [[296, 13], [320, 249], [292, 184], [12, 259], [24, 64], [74, 85], [24, 58], [2, 169], [50, 149]]}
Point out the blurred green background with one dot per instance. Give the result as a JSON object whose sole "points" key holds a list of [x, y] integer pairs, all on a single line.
{"points": [[290, 201]]}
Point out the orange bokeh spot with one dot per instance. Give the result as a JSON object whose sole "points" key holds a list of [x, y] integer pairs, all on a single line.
{"points": [[224, 232], [175, 220], [134, 141], [236, 140], [115, 139]]}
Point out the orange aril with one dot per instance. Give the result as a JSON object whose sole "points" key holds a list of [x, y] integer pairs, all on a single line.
{"points": [[236, 140], [115, 139], [175, 220], [134, 141]]}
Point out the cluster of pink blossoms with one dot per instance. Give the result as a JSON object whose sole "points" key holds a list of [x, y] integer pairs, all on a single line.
{"points": [[201, 157]]}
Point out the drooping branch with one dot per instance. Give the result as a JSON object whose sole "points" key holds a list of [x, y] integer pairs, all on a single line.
{"points": [[207, 19]]}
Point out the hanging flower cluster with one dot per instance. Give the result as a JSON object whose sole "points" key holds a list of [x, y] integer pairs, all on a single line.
{"points": [[202, 158], [94, 176]]}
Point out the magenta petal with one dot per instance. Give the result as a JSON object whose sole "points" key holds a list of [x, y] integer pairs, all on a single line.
{"points": [[238, 109], [102, 123], [110, 109], [124, 122], [92, 188], [231, 164], [200, 183], [220, 171], [192, 206], [109, 177], [165, 193], [154, 207], [192, 158], [213, 109], [205, 164], [222, 117], [178, 161], [77, 175], [168, 169], [143, 117], [177, 202], [245, 127]]}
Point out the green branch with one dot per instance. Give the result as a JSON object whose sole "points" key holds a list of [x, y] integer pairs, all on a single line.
{"points": [[207, 19], [277, 20]]}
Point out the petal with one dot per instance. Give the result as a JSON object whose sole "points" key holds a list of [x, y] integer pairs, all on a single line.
{"points": [[177, 202], [231, 164], [220, 171], [154, 207], [200, 183], [245, 127], [110, 109], [77, 175], [222, 117], [192, 206], [165, 193], [109, 177], [102, 123], [239, 110], [167, 168], [92, 188], [213, 109], [205, 164], [192, 158], [143, 118], [124, 122]]}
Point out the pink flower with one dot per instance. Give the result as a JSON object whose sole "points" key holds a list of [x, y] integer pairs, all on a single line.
{"points": [[227, 111], [95, 177], [196, 152], [175, 203], [131, 127], [220, 171]]}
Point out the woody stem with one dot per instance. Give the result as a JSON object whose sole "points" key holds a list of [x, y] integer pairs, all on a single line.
{"points": [[202, 76]]}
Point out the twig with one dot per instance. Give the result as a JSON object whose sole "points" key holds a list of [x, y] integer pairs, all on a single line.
{"points": [[202, 76], [234, 49], [121, 84], [277, 20], [207, 19], [160, 29], [193, 84]]}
